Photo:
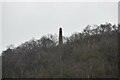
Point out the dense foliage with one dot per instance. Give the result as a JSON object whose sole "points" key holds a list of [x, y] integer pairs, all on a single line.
{"points": [[92, 53]]}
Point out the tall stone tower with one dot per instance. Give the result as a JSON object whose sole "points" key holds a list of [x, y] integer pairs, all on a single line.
{"points": [[60, 36]]}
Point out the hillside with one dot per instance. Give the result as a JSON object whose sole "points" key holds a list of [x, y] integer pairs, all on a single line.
{"points": [[92, 53]]}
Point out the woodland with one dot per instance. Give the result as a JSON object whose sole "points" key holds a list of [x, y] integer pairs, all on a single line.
{"points": [[92, 53]]}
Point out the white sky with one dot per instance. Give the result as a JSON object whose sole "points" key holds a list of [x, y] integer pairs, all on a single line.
{"points": [[59, 0], [23, 20]]}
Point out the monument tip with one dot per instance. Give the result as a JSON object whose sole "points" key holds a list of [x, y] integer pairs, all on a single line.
{"points": [[60, 28], [60, 36]]}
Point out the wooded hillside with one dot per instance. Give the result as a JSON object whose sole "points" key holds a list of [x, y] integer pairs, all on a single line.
{"points": [[93, 53]]}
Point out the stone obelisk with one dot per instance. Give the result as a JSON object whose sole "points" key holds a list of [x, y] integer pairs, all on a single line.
{"points": [[60, 36], [60, 43]]}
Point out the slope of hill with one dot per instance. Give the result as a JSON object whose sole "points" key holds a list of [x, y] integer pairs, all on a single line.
{"points": [[90, 54]]}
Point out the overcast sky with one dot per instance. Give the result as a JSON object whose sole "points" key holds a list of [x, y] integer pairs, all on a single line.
{"points": [[22, 21]]}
